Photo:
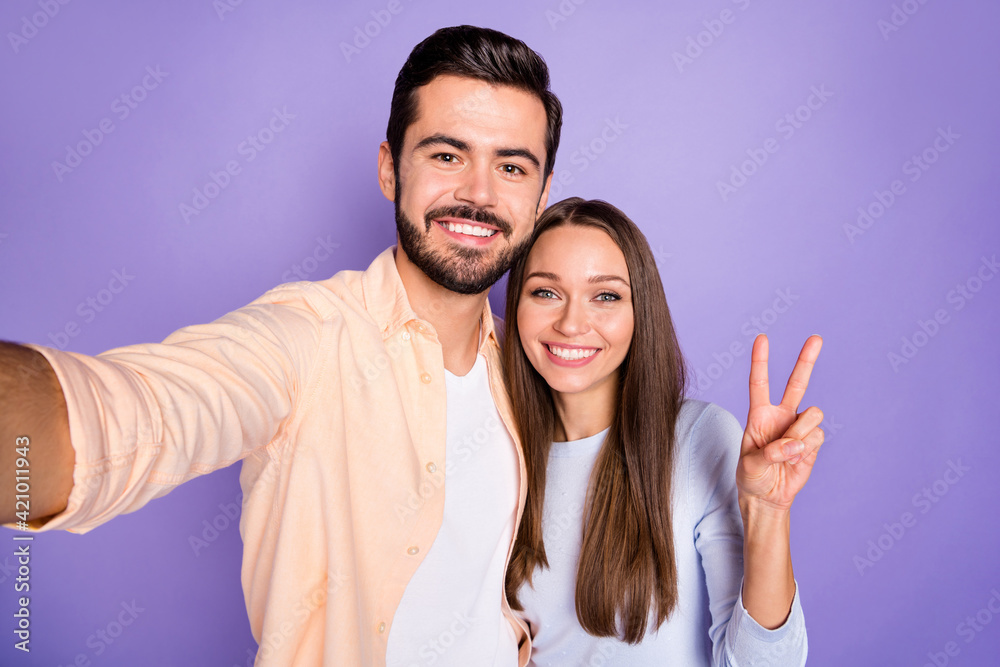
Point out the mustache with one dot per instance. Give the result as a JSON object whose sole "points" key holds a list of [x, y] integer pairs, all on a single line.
{"points": [[470, 213]]}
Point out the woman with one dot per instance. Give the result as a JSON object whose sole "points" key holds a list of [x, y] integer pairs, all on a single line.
{"points": [[631, 549]]}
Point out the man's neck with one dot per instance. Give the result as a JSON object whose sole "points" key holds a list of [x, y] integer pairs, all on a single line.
{"points": [[456, 317]]}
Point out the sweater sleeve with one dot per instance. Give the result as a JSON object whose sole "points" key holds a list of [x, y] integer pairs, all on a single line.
{"points": [[737, 639]]}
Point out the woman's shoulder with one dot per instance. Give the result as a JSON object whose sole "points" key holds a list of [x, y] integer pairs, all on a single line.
{"points": [[701, 421], [708, 437]]}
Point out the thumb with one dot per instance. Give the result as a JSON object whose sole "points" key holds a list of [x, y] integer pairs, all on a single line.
{"points": [[780, 451]]}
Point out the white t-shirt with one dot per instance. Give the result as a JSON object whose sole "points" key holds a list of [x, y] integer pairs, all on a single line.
{"points": [[450, 612], [709, 626]]}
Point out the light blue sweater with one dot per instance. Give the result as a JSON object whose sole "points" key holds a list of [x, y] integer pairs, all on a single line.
{"points": [[709, 625]]}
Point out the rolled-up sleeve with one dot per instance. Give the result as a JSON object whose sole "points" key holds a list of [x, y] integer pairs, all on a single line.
{"points": [[145, 418]]}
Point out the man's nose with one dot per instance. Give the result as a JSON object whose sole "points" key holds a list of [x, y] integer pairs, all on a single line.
{"points": [[477, 188]]}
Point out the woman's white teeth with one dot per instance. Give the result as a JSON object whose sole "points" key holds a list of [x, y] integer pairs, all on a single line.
{"points": [[469, 230], [572, 354]]}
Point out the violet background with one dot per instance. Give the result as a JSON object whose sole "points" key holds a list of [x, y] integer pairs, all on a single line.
{"points": [[891, 432]]}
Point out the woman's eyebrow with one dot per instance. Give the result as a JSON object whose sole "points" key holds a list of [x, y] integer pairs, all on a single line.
{"points": [[542, 274], [608, 278], [602, 278]]}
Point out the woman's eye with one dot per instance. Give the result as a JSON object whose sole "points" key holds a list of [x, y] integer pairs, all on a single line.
{"points": [[608, 296], [543, 293]]}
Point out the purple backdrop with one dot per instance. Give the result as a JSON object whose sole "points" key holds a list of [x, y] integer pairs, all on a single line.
{"points": [[798, 167]]}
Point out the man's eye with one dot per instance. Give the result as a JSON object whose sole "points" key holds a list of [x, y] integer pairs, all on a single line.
{"points": [[445, 157], [512, 169]]}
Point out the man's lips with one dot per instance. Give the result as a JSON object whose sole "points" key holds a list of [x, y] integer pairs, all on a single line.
{"points": [[466, 229], [465, 221]]}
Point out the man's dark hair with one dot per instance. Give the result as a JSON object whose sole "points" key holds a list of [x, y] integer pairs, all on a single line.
{"points": [[476, 53]]}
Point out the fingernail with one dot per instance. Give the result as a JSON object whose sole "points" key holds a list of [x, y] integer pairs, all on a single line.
{"points": [[794, 447]]}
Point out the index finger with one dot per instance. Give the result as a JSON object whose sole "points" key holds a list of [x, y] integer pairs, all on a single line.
{"points": [[799, 379], [760, 392]]}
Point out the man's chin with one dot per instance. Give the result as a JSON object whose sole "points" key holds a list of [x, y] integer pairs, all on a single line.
{"points": [[459, 268], [463, 282]]}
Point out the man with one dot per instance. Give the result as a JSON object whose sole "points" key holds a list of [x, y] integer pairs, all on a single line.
{"points": [[354, 402]]}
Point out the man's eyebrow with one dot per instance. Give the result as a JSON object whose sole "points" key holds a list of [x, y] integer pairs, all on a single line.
{"points": [[463, 146], [519, 152], [442, 139]]}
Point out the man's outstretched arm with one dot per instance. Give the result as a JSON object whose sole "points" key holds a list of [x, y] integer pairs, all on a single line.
{"points": [[33, 413]]}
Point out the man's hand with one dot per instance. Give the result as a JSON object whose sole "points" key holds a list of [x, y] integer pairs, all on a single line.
{"points": [[779, 444]]}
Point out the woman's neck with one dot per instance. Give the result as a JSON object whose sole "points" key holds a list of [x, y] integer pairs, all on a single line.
{"points": [[583, 414]]}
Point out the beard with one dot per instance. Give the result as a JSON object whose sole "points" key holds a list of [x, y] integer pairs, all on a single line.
{"points": [[461, 269]]}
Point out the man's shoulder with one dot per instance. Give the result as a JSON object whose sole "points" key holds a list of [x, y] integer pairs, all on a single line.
{"points": [[326, 299]]}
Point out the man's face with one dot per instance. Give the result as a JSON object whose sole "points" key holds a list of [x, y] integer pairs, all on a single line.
{"points": [[469, 184]]}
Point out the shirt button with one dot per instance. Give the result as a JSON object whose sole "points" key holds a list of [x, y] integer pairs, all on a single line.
{"points": [[431, 468], [406, 335], [425, 378], [381, 626], [421, 328], [413, 551]]}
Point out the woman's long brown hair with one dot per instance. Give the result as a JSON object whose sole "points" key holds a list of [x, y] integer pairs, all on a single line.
{"points": [[627, 562]]}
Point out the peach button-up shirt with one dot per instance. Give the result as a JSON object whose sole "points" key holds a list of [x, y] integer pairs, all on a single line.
{"points": [[332, 394]]}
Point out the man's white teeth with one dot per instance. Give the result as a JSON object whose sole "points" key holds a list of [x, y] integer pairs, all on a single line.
{"points": [[572, 354], [469, 230]]}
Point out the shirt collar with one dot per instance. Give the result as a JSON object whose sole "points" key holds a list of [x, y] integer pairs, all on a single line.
{"points": [[385, 299]]}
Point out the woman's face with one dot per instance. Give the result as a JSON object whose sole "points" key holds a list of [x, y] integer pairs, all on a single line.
{"points": [[575, 310]]}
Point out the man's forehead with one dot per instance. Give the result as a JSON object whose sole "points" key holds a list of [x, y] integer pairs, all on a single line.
{"points": [[453, 102]]}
